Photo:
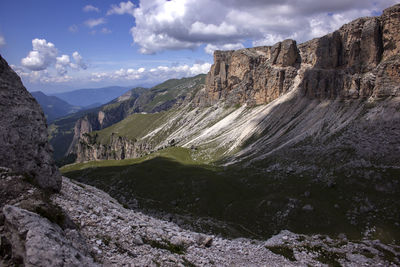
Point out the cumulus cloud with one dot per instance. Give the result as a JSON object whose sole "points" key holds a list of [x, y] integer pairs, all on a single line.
{"points": [[62, 63], [79, 60], [43, 64], [122, 8], [42, 55], [42, 76], [156, 74], [210, 48], [164, 25], [2, 41], [89, 8], [94, 22]]}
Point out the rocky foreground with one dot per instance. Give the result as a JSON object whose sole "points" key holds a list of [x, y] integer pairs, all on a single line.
{"points": [[93, 229]]}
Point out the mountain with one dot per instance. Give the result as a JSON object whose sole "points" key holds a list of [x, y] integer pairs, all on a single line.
{"points": [[300, 137], [54, 107], [65, 132], [89, 97], [291, 136]]}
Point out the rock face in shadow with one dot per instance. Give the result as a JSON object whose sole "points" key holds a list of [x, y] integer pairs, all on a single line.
{"points": [[358, 61], [24, 145]]}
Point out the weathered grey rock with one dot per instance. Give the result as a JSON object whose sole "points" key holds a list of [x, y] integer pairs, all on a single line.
{"points": [[254, 75], [37, 242], [23, 132], [359, 60], [114, 238], [89, 148]]}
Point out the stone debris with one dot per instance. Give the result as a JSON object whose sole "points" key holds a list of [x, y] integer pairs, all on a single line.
{"points": [[121, 237]]}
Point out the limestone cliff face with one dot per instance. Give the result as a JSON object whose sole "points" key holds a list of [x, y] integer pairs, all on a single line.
{"points": [[24, 145], [88, 148], [255, 75], [359, 60]]}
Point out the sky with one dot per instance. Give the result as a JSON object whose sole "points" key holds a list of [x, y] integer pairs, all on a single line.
{"points": [[58, 46]]}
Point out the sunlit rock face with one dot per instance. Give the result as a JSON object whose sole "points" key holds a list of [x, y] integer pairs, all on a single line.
{"points": [[359, 60]]}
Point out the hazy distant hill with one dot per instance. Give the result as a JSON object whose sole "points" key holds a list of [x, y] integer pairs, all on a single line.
{"points": [[54, 107], [88, 97]]}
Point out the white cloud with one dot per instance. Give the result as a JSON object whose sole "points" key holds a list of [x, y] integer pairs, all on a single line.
{"points": [[105, 30], [210, 29], [123, 8], [156, 74], [41, 76], [62, 63], [89, 8], [73, 28], [167, 25], [43, 65], [210, 48], [2, 41], [79, 60], [95, 22], [42, 55]]}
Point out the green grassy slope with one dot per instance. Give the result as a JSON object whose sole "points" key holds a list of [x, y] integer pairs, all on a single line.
{"points": [[157, 99], [254, 202], [133, 127]]}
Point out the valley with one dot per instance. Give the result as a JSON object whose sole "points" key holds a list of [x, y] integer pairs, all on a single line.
{"points": [[293, 153], [280, 155]]}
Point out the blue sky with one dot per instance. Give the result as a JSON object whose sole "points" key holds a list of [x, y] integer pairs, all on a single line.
{"points": [[62, 45]]}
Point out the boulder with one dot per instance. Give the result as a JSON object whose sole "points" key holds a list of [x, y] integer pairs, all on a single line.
{"points": [[35, 241]]}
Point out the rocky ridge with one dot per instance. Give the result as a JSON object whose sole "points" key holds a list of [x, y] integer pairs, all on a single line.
{"points": [[359, 60], [350, 72], [23, 132]]}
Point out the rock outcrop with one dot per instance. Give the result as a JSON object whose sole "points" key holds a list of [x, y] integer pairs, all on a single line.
{"points": [[24, 145], [89, 148], [358, 61], [35, 241], [255, 75]]}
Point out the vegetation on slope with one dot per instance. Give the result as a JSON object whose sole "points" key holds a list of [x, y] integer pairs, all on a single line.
{"points": [[157, 99], [133, 127], [253, 201]]}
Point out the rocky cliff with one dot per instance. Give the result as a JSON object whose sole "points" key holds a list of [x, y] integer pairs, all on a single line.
{"points": [[359, 60], [33, 230], [89, 148], [24, 145]]}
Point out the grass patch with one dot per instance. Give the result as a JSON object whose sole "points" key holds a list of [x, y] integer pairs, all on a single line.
{"points": [[165, 244], [284, 251], [132, 127], [248, 198], [388, 255]]}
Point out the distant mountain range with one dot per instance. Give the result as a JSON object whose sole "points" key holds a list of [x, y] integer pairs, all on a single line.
{"points": [[54, 107], [92, 97]]}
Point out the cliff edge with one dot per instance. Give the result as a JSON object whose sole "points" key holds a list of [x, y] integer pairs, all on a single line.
{"points": [[358, 61], [24, 145]]}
